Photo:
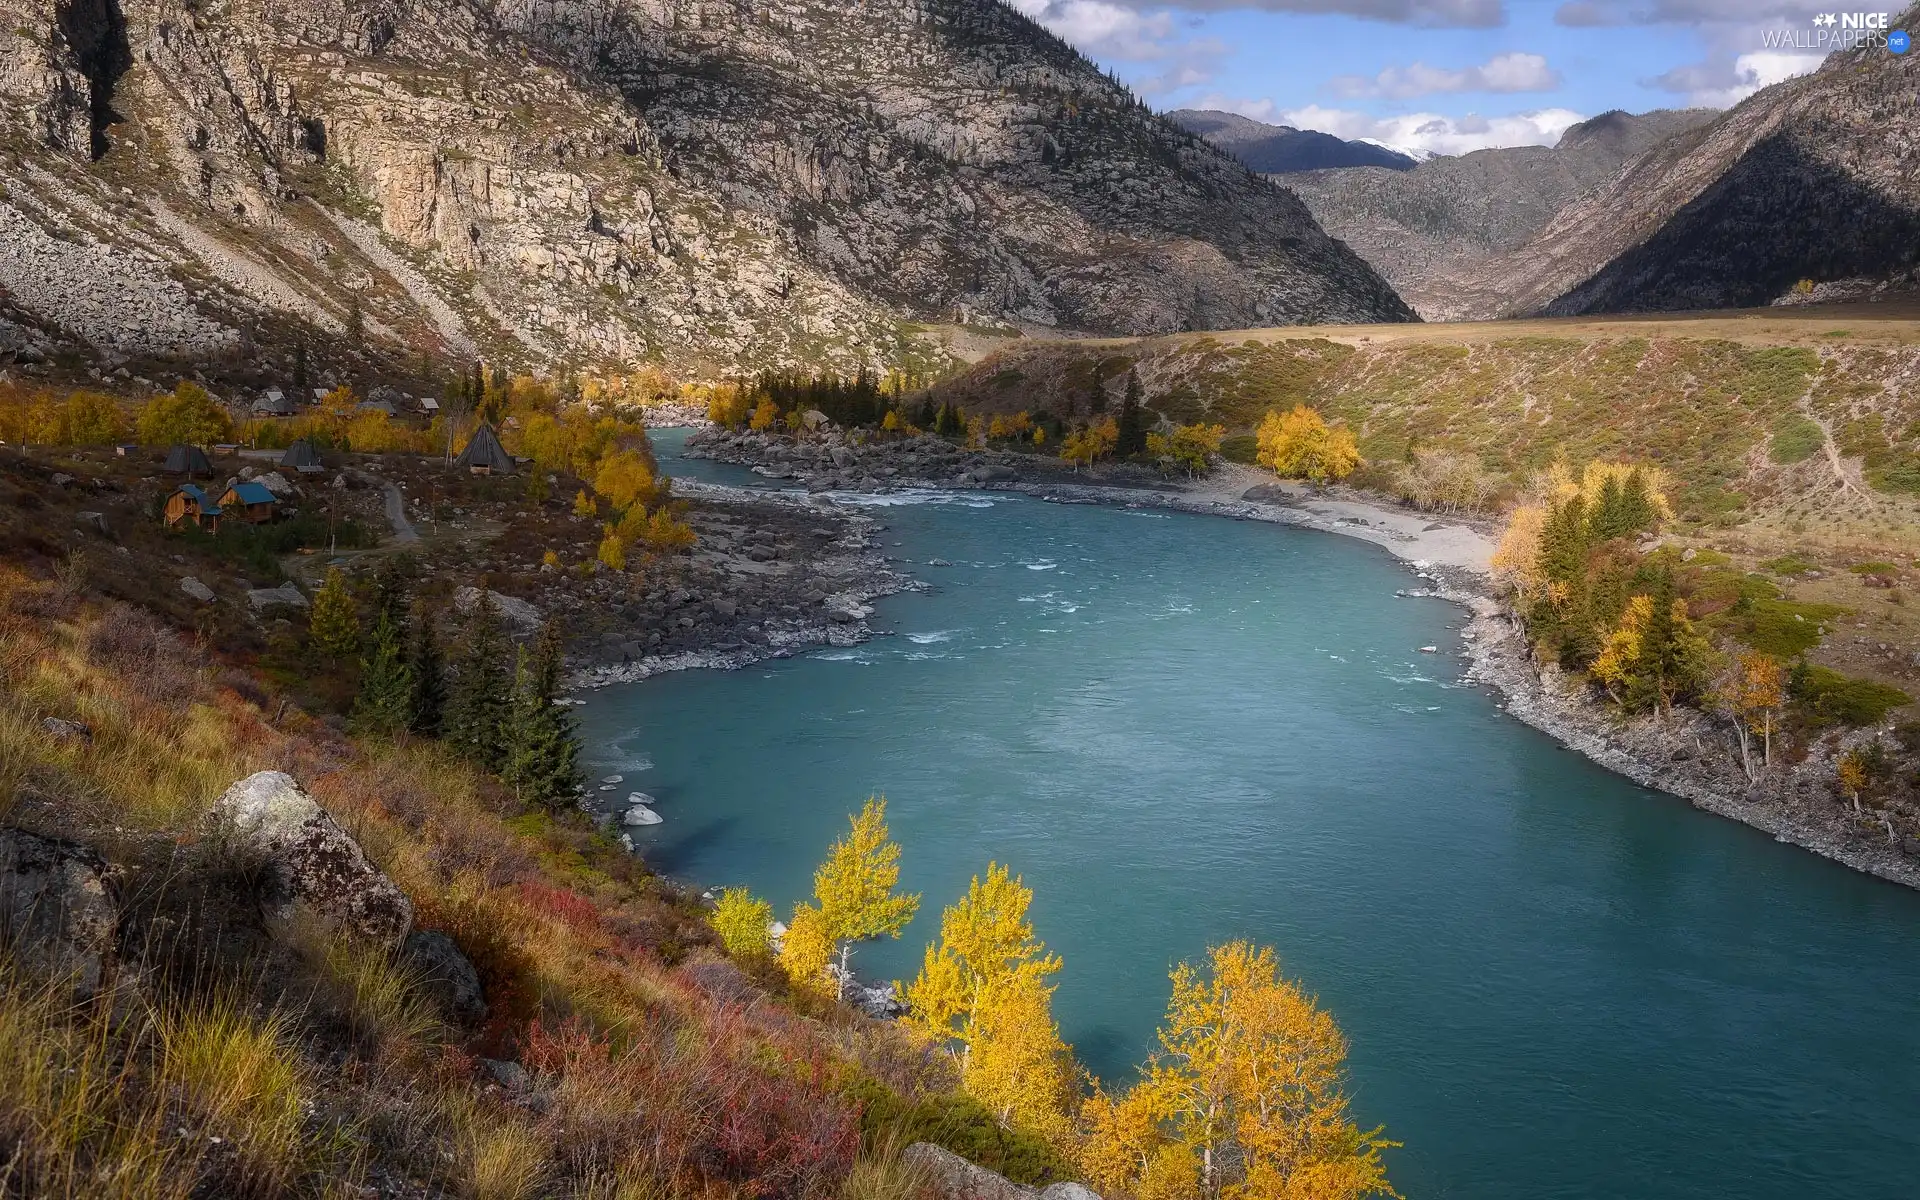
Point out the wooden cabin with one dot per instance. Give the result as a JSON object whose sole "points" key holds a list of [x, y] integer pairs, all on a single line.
{"points": [[250, 501], [191, 505]]}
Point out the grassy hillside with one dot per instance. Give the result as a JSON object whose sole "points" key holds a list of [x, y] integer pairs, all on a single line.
{"points": [[1751, 418]]}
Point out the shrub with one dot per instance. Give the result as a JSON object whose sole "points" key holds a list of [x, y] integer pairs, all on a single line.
{"points": [[963, 1125], [1831, 698], [741, 920], [1796, 439]]}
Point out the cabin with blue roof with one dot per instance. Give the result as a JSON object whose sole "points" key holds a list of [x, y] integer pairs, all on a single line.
{"points": [[191, 505], [251, 501]]}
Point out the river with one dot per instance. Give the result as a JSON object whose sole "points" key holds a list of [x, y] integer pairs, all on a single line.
{"points": [[1183, 729]]}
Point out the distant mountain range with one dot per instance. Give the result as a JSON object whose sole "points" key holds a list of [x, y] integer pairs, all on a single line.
{"points": [[1806, 190], [1428, 226], [1280, 149], [719, 187]]}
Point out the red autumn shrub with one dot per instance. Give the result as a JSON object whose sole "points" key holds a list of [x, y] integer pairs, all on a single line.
{"points": [[706, 1105], [564, 904]]}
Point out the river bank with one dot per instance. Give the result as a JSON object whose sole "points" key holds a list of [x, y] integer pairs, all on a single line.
{"points": [[1687, 754]]}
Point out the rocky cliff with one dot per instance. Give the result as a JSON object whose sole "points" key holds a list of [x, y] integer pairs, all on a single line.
{"points": [[1809, 180], [711, 183], [1429, 228]]}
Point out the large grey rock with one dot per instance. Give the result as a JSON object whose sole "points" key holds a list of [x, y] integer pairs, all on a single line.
{"points": [[315, 870], [62, 730], [446, 974], [286, 593], [55, 913], [521, 617], [954, 1178], [199, 591]]}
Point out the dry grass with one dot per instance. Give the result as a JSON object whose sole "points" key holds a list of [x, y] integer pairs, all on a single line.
{"points": [[238, 1077], [293, 1064]]}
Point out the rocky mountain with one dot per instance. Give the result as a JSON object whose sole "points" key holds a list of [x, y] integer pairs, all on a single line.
{"points": [[712, 184], [1279, 149], [1427, 228], [1805, 190]]}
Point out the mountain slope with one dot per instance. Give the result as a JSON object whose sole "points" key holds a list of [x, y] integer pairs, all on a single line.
{"points": [[1279, 149], [712, 185], [1426, 228], [1812, 179]]}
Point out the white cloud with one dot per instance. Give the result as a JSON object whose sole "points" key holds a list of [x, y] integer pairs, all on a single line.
{"points": [[1112, 31], [1505, 73], [1436, 133], [1712, 85]]}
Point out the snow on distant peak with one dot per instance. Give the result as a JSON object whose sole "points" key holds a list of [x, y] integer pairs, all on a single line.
{"points": [[1413, 152]]}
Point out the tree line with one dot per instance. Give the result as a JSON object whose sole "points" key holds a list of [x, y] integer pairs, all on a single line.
{"points": [[492, 701], [1244, 1098]]}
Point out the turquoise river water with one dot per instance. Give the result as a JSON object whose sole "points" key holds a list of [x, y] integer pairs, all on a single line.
{"points": [[1185, 729]]}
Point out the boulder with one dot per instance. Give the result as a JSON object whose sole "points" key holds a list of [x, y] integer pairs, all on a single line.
{"points": [[640, 814], [314, 870], [954, 1178], [286, 594], [276, 483], [55, 913], [199, 591], [446, 974], [96, 521], [62, 730], [509, 1075], [1267, 493], [521, 617]]}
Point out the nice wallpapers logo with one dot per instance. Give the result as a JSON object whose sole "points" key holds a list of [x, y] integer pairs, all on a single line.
{"points": [[1840, 31]]}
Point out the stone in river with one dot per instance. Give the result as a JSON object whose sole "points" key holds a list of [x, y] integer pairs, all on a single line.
{"points": [[640, 814], [613, 779]]}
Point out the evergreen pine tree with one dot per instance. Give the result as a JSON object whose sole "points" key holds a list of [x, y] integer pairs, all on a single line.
{"points": [[542, 762], [479, 701], [1133, 421], [334, 627], [427, 706], [385, 699]]}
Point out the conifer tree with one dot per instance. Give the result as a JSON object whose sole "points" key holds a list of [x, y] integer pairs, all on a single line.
{"points": [[1133, 421], [385, 700], [334, 628], [543, 751], [479, 700], [426, 708]]}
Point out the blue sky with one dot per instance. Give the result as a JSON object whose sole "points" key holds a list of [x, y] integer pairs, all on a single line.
{"points": [[1449, 76]]}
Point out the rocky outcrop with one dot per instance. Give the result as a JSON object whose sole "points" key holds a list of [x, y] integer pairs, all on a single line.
{"points": [[716, 185], [56, 915], [446, 975], [954, 1178], [313, 870]]}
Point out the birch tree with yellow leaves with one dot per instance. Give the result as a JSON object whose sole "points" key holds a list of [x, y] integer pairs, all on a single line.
{"points": [[854, 901], [982, 994], [1245, 1100]]}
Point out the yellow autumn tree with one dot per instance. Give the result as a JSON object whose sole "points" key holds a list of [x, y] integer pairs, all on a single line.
{"points": [[982, 994], [854, 900], [764, 414], [1750, 693], [1084, 447], [613, 552], [1301, 445], [805, 950], [1620, 651], [1245, 1099], [583, 505], [625, 479], [743, 921]]}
